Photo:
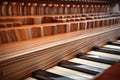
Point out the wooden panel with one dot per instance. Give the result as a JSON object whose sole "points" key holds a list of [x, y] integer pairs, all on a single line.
{"points": [[39, 16], [47, 20], [49, 30], [28, 21], [90, 25], [28, 34], [36, 32], [37, 21], [74, 27], [97, 24], [23, 34], [103, 39], [47, 56], [61, 29], [11, 36], [3, 35], [82, 26]]}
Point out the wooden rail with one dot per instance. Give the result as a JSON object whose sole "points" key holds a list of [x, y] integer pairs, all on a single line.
{"points": [[27, 32], [23, 57], [54, 24], [21, 8], [55, 15]]}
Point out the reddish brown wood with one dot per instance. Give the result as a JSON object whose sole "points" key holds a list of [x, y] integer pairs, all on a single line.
{"points": [[49, 30], [74, 27], [113, 73]]}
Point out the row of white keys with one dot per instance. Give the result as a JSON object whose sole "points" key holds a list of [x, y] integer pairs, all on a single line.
{"points": [[104, 54], [112, 46], [90, 63], [70, 73]]}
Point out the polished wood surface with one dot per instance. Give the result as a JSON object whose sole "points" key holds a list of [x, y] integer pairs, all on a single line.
{"points": [[48, 29], [24, 57], [39, 35], [112, 73]]}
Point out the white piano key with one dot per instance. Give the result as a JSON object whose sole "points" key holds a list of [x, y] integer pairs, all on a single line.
{"points": [[91, 63], [112, 46], [104, 54], [30, 78], [70, 73]]}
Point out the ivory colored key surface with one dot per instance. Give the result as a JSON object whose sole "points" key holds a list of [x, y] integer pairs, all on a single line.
{"points": [[104, 54], [112, 46], [30, 78], [91, 63], [70, 73]]}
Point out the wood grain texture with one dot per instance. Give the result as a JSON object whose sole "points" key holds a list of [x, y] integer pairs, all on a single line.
{"points": [[36, 32], [23, 34], [74, 27], [56, 15], [12, 36], [26, 57], [111, 73], [61, 29], [48, 29], [3, 36]]}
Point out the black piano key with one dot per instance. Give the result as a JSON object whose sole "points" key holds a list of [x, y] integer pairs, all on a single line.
{"points": [[107, 50], [114, 43], [81, 67], [44, 75], [97, 58]]}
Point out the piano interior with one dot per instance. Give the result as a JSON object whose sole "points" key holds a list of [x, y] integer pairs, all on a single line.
{"points": [[60, 40]]}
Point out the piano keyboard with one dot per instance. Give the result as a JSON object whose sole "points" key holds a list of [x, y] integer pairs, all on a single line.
{"points": [[83, 67]]}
